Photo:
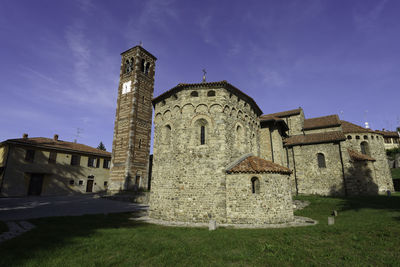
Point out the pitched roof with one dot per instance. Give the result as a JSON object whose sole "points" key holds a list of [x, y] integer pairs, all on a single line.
{"points": [[272, 119], [357, 156], [141, 48], [223, 84], [316, 138], [322, 122], [349, 127], [253, 164], [388, 133], [60, 145], [286, 113]]}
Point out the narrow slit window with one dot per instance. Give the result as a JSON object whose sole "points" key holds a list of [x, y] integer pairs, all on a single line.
{"points": [[255, 185], [321, 160], [202, 135]]}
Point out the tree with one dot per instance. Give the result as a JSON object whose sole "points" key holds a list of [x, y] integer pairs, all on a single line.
{"points": [[101, 146]]}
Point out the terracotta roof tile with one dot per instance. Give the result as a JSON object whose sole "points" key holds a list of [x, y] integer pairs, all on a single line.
{"points": [[321, 122], [59, 145], [316, 138], [254, 164], [223, 84], [388, 133], [286, 113], [349, 127], [357, 156]]}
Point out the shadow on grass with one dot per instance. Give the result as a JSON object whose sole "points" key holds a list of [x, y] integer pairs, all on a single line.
{"points": [[55, 233]]}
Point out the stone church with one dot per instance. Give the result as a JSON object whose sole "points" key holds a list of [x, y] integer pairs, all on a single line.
{"points": [[216, 155]]}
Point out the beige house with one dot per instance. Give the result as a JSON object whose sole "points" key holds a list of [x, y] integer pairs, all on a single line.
{"points": [[391, 139], [45, 166]]}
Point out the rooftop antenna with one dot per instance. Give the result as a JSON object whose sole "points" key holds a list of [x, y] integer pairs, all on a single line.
{"points": [[78, 134], [204, 75], [365, 119]]}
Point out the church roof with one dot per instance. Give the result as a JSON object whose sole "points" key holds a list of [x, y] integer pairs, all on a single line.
{"points": [[141, 48], [357, 156], [322, 122], [316, 138], [272, 119], [388, 133], [253, 164], [48, 143], [223, 84], [283, 114], [349, 127]]}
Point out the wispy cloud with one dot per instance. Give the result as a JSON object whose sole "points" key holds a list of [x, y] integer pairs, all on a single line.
{"points": [[271, 78], [365, 19], [206, 29], [36, 74]]}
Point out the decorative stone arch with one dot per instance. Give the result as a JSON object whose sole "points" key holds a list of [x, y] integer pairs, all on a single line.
{"points": [[227, 110], [233, 112], [202, 109], [167, 115], [176, 110], [158, 118], [209, 120], [215, 108], [240, 115], [239, 133], [188, 108]]}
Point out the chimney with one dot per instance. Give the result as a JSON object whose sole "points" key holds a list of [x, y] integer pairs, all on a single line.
{"points": [[55, 137], [25, 136]]}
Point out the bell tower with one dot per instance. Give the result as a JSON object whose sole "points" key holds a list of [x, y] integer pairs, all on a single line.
{"points": [[132, 128]]}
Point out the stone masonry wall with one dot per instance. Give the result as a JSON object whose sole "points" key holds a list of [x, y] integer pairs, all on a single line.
{"points": [[314, 180], [188, 179], [377, 151], [273, 203]]}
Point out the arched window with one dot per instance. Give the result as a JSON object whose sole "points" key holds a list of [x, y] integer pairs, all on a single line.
{"points": [[365, 137], [357, 137], [147, 68], [255, 185], [127, 66], [239, 134], [194, 94], [349, 137], [167, 135], [142, 66], [364, 148], [211, 93], [321, 160], [201, 131]]}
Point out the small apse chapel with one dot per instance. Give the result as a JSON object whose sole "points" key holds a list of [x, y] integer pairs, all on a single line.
{"points": [[216, 155]]}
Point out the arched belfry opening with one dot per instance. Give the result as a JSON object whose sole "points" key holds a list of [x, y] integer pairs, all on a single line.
{"points": [[255, 185]]}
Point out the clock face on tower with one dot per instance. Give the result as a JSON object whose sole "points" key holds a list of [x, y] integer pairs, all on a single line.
{"points": [[126, 87]]}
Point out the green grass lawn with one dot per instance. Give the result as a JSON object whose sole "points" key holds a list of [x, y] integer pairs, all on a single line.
{"points": [[366, 232], [395, 173]]}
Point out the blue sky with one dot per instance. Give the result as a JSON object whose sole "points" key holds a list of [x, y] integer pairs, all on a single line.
{"points": [[59, 60]]}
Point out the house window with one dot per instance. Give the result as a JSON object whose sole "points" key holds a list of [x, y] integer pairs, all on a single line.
{"points": [[364, 148], [71, 182], [80, 182], [255, 185], [75, 160], [30, 155], [91, 162], [365, 137], [194, 94], [97, 163], [349, 137], [211, 93], [53, 157], [106, 163], [105, 183], [321, 160]]}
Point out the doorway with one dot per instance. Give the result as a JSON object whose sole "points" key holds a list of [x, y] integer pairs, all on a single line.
{"points": [[35, 184], [89, 184]]}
